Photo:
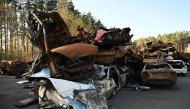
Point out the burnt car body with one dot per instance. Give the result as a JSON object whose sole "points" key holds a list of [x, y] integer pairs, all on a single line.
{"points": [[111, 49], [16, 68], [110, 79], [158, 73], [151, 50], [48, 30], [65, 60], [3, 66], [60, 93], [112, 37]]}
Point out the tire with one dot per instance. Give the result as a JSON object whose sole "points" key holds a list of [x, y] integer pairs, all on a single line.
{"points": [[69, 107], [184, 74]]}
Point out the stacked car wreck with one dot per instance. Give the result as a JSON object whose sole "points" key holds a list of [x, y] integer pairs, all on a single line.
{"points": [[162, 63], [113, 49], [78, 71], [61, 72]]}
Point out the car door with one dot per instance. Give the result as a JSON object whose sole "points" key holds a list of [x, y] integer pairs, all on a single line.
{"points": [[108, 84], [122, 76]]}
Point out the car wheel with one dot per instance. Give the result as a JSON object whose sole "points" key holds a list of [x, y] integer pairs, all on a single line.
{"points": [[184, 74], [69, 107]]}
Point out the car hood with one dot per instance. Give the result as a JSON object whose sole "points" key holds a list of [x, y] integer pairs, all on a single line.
{"points": [[80, 50]]}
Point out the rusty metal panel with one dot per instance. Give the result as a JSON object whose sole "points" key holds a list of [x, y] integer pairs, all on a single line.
{"points": [[105, 56], [72, 51], [161, 73], [48, 30]]}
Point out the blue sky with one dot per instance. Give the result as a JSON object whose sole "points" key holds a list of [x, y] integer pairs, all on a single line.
{"points": [[144, 17]]}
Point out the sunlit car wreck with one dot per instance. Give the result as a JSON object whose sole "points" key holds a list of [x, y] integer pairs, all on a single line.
{"points": [[56, 93], [158, 73], [67, 64], [110, 79], [50, 34]]}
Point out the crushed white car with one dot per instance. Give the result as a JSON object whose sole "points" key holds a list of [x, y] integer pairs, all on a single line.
{"points": [[109, 79], [56, 93], [178, 66]]}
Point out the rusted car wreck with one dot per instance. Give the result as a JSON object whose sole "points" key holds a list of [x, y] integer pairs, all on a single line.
{"points": [[63, 60], [168, 50], [111, 48], [16, 68], [158, 73], [153, 50]]}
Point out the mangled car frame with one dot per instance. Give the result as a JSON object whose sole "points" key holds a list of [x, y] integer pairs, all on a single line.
{"points": [[61, 72]]}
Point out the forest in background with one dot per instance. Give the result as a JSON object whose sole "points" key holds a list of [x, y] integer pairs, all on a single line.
{"points": [[14, 37], [15, 40]]}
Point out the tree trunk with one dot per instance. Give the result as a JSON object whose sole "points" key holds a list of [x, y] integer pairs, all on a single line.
{"points": [[5, 34]]}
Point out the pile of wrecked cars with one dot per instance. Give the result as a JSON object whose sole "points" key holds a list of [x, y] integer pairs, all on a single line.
{"points": [[73, 75], [16, 68], [162, 63]]}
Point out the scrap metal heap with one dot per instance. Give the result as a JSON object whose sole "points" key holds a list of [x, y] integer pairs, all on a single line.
{"points": [[110, 44], [68, 63], [49, 29], [107, 38], [152, 51], [67, 59], [182, 56], [70, 59]]}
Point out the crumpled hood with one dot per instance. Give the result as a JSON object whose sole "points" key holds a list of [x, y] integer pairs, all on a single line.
{"points": [[65, 87], [80, 49], [78, 95]]}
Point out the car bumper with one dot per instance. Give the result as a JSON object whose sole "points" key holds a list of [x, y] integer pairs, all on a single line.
{"points": [[159, 81], [181, 71]]}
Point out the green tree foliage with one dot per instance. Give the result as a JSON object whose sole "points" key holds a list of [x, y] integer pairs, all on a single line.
{"points": [[74, 18]]}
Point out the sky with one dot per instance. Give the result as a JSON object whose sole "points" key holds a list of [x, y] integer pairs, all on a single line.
{"points": [[144, 17]]}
